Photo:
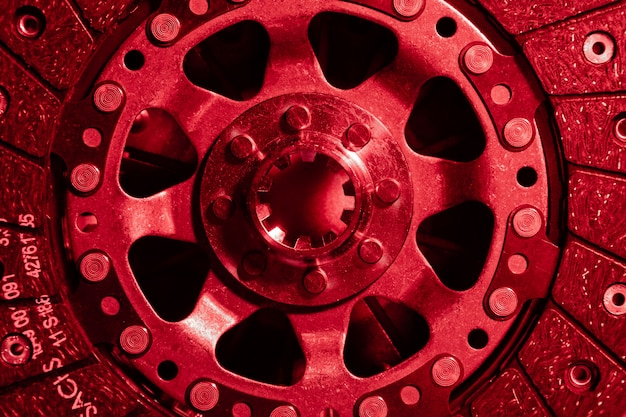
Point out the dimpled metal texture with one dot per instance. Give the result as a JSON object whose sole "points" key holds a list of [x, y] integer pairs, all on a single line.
{"points": [[312, 208]]}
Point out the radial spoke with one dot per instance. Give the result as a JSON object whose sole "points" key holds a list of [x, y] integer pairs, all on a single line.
{"points": [[440, 184], [202, 114], [166, 214], [292, 61], [322, 338]]}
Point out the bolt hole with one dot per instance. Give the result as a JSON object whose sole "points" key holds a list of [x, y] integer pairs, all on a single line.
{"points": [[134, 60], [618, 299], [620, 128], [598, 48], [167, 370], [527, 177], [17, 349], [478, 339], [446, 27], [29, 22], [86, 222]]}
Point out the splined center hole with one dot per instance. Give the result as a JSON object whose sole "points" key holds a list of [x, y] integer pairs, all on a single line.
{"points": [[309, 197]]}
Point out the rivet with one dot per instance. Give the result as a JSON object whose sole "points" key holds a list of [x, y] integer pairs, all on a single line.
{"points": [[254, 263], [95, 266], [527, 222], [620, 130], [410, 395], [580, 376], [503, 302], [501, 94], [388, 191], [284, 411], [16, 349], [408, 8], [374, 406], [614, 299], [446, 371], [478, 59], [92, 137], [204, 396], [110, 306], [517, 263], [315, 281], [223, 207], [298, 117], [242, 146], [357, 136], [135, 340], [85, 178], [29, 26], [518, 132], [241, 410], [108, 98], [370, 251], [599, 48], [165, 27]]}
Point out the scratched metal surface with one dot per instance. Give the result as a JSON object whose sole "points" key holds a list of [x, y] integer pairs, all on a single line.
{"points": [[56, 342], [510, 395], [23, 190], [587, 126], [552, 347], [595, 202], [579, 288], [62, 50]]}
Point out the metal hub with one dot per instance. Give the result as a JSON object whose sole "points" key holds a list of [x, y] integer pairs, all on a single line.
{"points": [[312, 195], [357, 220]]}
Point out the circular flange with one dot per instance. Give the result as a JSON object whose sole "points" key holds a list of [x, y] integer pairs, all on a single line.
{"points": [[304, 199]]}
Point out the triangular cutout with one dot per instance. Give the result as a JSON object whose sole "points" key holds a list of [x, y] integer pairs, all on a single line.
{"points": [[231, 62], [350, 49], [456, 243], [170, 273], [443, 123], [264, 348], [382, 334], [157, 155]]}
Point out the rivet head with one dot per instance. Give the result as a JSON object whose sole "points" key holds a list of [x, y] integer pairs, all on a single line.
{"points": [[298, 117], [374, 406], [29, 26], [518, 132], [315, 281], [503, 302], [410, 395], [527, 222], [223, 207], [242, 146], [619, 130], [95, 266], [284, 411], [599, 48], [446, 371], [357, 136], [85, 178], [254, 263], [135, 340], [204, 396], [370, 251], [108, 98], [478, 59], [614, 299], [517, 263], [388, 191], [165, 27], [580, 376], [408, 8], [16, 349]]}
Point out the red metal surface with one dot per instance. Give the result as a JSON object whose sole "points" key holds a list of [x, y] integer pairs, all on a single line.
{"points": [[381, 320]]}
